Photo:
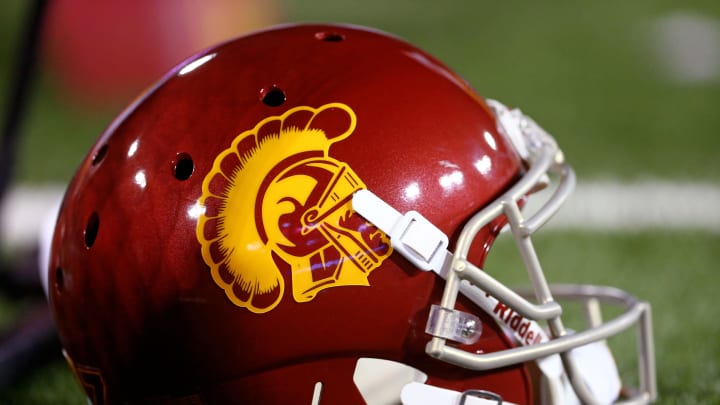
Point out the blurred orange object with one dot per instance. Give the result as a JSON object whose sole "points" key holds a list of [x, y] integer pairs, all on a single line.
{"points": [[101, 51]]}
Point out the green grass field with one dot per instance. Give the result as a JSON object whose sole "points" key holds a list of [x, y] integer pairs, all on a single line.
{"points": [[590, 73]]}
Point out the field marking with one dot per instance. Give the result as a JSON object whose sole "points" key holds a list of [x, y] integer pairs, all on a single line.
{"points": [[594, 206], [627, 207]]}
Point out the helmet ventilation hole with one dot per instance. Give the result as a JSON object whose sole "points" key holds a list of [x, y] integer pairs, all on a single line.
{"points": [[272, 96], [183, 167], [59, 279], [91, 229], [329, 36], [99, 155]]}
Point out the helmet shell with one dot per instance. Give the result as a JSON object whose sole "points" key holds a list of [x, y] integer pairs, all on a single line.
{"points": [[206, 248]]}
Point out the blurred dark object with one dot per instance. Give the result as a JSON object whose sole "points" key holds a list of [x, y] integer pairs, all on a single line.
{"points": [[20, 278], [19, 91], [33, 340]]}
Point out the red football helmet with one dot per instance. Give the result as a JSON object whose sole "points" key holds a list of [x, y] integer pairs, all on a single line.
{"points": [[270, 223]]}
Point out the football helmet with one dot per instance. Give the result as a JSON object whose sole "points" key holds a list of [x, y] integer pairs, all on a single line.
{"points": [[302, 215]]}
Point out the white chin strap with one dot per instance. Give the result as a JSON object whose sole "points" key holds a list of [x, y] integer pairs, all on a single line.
{"points": [[386, 382], [423, 394], [598, 370]]}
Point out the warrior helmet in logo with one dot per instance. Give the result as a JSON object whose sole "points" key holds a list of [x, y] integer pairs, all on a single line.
{"points": [[276, 199]]}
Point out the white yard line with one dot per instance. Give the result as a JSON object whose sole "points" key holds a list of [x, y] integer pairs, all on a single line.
{"points": [[612, 206], [595, 206]]}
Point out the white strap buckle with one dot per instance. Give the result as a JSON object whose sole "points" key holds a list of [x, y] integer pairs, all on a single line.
{"points": [[411, 234]]}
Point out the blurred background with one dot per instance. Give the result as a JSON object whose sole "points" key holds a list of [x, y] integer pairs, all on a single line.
{"points": [[631, 91]]}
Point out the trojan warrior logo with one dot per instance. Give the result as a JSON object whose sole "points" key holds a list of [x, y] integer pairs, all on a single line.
{"points": [[276, 202]]}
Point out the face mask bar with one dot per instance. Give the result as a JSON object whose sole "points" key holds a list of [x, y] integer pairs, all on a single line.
{"points": [[423, 244]]}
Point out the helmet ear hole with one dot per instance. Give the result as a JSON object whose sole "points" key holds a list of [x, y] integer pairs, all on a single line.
{"points": [[272, 96], [91, 229], [59, 279], [329, 36], [183, 167], [100, 155]]}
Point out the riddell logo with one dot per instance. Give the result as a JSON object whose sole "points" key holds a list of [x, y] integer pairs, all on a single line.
{"points": [[517, 323], [275, 202]]}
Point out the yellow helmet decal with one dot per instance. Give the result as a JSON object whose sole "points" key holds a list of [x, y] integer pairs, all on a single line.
{"points": [[275, 204]]}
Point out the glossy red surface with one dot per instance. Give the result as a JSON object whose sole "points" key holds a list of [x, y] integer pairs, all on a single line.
{"points": [[132, 292]]}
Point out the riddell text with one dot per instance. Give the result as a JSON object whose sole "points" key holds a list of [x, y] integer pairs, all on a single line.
{"points": [[517, 323]]}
